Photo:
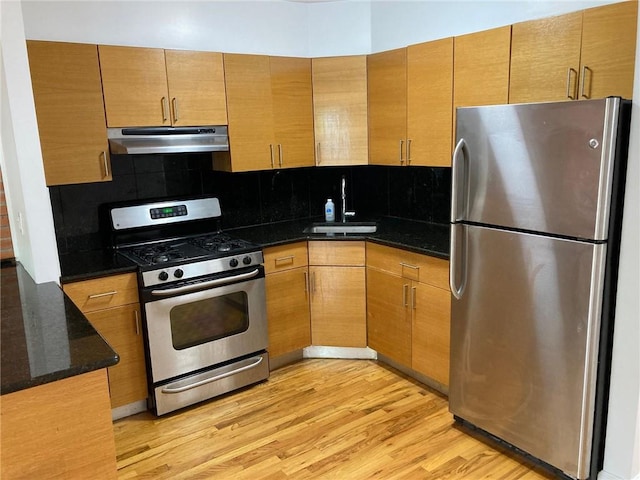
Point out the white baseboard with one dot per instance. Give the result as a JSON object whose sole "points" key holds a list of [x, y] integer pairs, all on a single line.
{"points": [[339, 352], [128, 409]]}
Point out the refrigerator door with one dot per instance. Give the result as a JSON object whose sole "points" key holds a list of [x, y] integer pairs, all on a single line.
{"points": [[543, 167], [524, 341]]}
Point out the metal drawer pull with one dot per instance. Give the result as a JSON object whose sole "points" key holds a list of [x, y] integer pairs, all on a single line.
{"points": [[306, 282], [201, 285], [256, 361], [105, 294], [413, 297], [405, 287], [318, 154], [402, 264], [280, 154], [584, 81], [174, 100], [408, 151], [271, 153], [572, 97], [401, 144], [165, 107], [287, 259], [135, 312]]}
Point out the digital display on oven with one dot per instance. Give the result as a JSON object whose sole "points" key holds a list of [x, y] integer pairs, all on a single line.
{"points": [[166, 212]]}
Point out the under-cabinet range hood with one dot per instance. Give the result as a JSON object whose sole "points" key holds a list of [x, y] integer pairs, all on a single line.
{"points": [[140, 140]]}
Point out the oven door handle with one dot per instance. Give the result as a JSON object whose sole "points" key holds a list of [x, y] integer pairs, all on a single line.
{"points": [[209, 283], [256, 361]]}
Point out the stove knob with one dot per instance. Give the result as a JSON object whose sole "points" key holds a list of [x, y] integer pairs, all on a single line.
{"points": [[163, 276], [178, 273], [246, 260], [233, 262]]}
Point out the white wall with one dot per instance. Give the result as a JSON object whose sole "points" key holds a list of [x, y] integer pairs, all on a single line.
{"points": [[321, 29]]}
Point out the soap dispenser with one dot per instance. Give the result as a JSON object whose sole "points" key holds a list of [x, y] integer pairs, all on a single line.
{"points": [[329, 211]]}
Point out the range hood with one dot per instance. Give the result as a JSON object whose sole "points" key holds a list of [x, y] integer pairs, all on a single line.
{"points": [[139, 140]]}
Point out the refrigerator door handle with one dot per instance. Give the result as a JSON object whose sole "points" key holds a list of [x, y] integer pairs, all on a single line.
{"points": [[458, 168], [457, 255]]}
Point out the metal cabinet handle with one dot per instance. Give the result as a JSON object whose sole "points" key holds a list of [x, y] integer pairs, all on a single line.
{"points": [[165, 107], [271, 153], [408, 151], [137, 318], [413, 298], [401, 145], [174, 102], [313, 283], [569, 89], [584, 81], [287, 259], [306, 281], [105, 294], [280, 154], [105, 163], [405, 288], [408, 265], [318, 153]]}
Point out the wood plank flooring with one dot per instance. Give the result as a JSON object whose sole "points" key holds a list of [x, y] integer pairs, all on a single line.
{"points": [[319, 418]]}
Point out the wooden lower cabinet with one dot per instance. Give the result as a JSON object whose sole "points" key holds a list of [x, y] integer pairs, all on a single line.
{"points": [[337, 280], [61, 429], [111, 305], [121, 328], [408, 310], [288, 311]]}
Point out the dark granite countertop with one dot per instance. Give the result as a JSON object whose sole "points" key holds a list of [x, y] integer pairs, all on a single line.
{"points": [[421, 237], [45, 337]]}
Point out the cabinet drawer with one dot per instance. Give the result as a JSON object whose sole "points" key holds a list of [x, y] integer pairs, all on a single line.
{"points": [[285, 257], [105, 292], [414, 266], [348, 253]]}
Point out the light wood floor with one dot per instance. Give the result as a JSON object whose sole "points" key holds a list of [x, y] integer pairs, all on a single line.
{"points": [[333, 419]]}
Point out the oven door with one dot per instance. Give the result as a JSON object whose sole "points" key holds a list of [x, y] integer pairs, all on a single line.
{"points": [[200, 324]]}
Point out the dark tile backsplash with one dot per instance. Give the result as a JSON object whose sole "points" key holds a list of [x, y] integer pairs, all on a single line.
{"points": [[249, 198]]}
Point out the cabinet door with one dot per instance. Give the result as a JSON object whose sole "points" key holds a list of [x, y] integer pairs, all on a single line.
{"points": [[609, 50], [134, 83], [388, 322], [387, 84], [196, 88], [340, 110], [429, 103], [430, 331], [338, 306], [288, 311], [292, 111], [68, 100], [250, 112], [481, 68], [545, 55], [121, 328]]}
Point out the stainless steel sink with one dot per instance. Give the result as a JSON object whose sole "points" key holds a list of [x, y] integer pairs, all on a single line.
{"points": [[350, 227]]}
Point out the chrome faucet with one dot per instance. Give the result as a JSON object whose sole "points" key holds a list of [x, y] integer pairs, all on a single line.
{"points": [[343, 194]]}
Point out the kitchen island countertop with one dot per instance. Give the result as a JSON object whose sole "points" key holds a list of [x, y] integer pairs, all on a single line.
{"points": [[45, 337]]}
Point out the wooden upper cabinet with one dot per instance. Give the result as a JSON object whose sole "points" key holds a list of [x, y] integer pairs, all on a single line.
{"points": [[70, 111], [387, 90], [292, 111], [196, 88], [481, 68], [580, 55], [340, 110], [545, 55], [270, 109], [429, 101], [608, 50], [154, 87], [134, 81]]}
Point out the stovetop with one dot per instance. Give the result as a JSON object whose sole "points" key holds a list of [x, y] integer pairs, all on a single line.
{"points": [[188, 249]]}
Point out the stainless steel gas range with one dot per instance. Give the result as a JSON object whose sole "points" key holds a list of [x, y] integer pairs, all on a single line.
{"points": [[203, 300]]}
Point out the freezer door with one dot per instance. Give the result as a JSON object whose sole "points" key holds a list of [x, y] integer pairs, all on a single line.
{"points": [[524, 341], [544, 167]]}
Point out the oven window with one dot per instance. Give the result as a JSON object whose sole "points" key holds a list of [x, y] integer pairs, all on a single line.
{"points": [[206, 320]]}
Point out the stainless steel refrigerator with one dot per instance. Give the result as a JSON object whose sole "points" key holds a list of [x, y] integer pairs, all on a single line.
{"points": [[535, 220]]}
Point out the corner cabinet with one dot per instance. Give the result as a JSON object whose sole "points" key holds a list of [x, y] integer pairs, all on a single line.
{"points": [[408, 310], [580, 55], [111, 305], [340, 110], [287, 289], [68, 99], [338, 293], [155, 87], [410, 104], [270, 111]]}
